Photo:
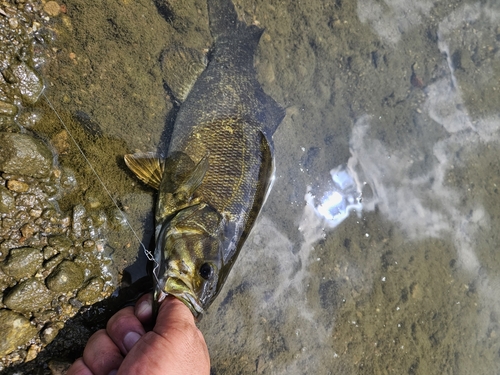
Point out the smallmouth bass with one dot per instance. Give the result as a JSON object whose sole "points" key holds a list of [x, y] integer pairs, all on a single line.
{"points": [[217, 170]]}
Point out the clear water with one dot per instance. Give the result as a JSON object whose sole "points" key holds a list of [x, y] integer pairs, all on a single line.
{"points": [[377, 251]]}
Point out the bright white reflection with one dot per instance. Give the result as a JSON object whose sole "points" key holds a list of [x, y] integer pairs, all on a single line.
{"points": [[411, 184], [336, 204]]}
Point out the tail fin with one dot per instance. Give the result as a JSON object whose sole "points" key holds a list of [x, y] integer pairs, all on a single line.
{"points": [[224, 24]]}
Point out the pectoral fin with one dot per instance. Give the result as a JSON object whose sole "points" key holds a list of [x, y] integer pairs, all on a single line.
{"points": [[147, 167], [177, 195]]}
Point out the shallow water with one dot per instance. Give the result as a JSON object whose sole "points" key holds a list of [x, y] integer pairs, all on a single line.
{"points": [[377, 250]]}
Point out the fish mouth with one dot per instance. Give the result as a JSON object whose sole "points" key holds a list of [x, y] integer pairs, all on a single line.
{"points": [[179, 288]]}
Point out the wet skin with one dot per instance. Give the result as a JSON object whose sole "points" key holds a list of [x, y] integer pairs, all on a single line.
{"points": [[174, 345]]}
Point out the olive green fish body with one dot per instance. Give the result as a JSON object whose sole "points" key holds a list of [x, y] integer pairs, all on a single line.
{"points": [[218, 167]]}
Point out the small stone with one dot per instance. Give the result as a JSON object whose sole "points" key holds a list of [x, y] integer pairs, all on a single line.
{"points": [[23, 262], [52, 8], [66, 277], [17, 186], [13, 22], [29, 84], [35, 213], [16, 331], [61, 243], [25, 155], [50, 332], [28, 230], [61, 143], [91, 292], [32, 353], [7, 202], [30, 295], [7, 109]]}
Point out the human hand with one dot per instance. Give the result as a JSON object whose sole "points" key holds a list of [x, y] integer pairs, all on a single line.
{"points": [[174, 346]]}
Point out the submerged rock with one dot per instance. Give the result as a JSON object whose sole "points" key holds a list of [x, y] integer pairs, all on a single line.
{"points": [[16, 331], [67, 277], [22, 154], [7, 202], [23, 262], [28, 296]]}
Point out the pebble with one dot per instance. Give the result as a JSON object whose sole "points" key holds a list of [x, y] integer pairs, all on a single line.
{"points": [[61, 244], [30, 295], [52, 8], [32, 352], [22, 154], [16, 331], [23, 262], [91, 292], [7, 109], [29, 84], [17, 186], [7, 202], [66, 277], [50, 332]]}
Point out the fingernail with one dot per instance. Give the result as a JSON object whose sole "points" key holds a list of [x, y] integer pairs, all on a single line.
{"points": [[130, 339], [144, 309], [113, 372]]}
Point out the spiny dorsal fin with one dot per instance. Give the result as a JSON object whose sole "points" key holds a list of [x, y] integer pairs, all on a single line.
{"points": [[147, 167]]}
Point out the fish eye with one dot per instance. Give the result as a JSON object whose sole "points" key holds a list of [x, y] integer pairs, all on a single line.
{"points": [[206, 271]]}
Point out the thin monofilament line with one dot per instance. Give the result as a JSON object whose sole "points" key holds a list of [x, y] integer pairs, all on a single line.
{"points": [[148, 253]]}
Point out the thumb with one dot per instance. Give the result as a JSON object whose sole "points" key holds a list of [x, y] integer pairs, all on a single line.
{"points": [[173, 314], [174, 346]]}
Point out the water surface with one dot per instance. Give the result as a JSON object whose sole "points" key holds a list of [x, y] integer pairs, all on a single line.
{"points": [[377, 250]]}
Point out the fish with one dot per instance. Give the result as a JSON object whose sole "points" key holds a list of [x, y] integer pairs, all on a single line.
{"points": [[218, 167]]}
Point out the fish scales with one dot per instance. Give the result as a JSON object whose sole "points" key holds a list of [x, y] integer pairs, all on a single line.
{"points": [[218, 167]]}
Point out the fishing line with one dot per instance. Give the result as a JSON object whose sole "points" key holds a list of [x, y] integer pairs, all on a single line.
{"points": [[148, 253]]}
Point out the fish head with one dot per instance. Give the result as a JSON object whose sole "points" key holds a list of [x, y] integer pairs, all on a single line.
{"points": [[188, 251]]}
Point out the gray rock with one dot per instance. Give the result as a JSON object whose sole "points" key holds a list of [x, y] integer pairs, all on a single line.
{"points": [[23, 262], [66, 277], [7, 202], [30, 295], [24, 155], [16, 330]]}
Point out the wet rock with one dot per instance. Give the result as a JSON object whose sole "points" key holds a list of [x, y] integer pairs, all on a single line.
{"points": [[17, 186], [23, 262], [61, 142], [16, 331], [91, 292], [24, 155], [30, 295], [79, 215], [32, 353], [66, 277], [61, 244], [7, 109], [50, 332], [52, 8], [27, 81], [7, 202]]}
